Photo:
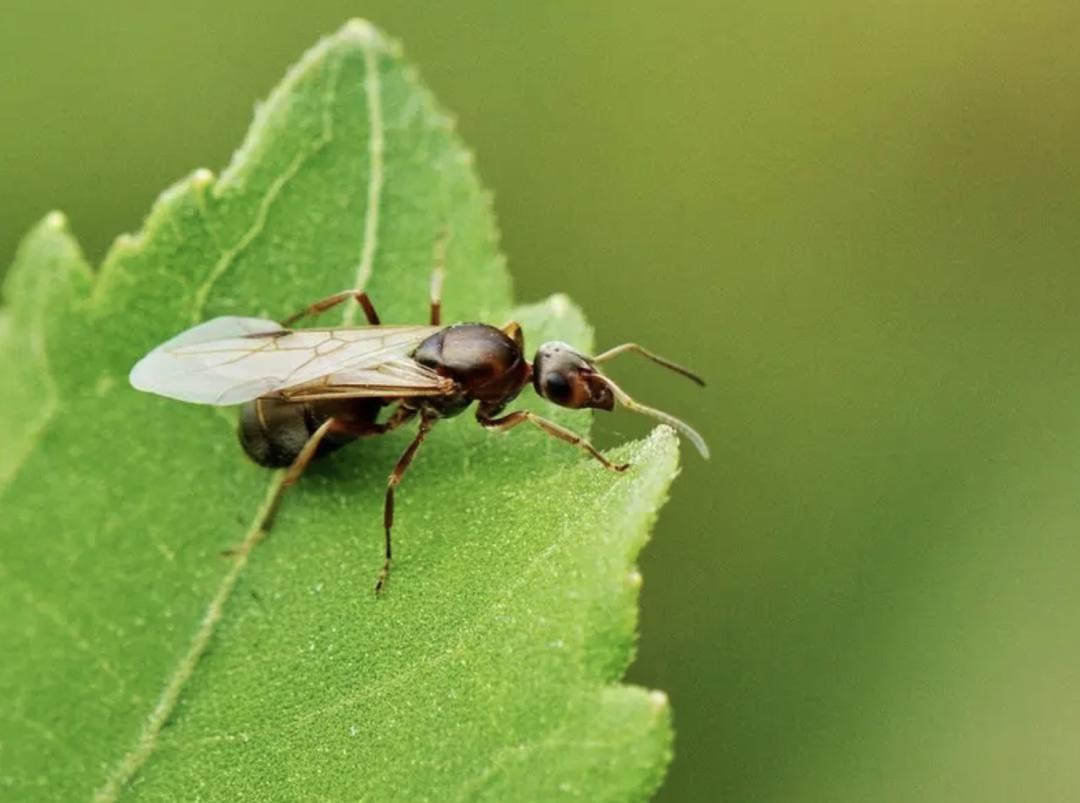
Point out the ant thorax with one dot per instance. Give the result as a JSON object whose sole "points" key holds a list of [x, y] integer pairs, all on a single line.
{"points": [[483, 361]]}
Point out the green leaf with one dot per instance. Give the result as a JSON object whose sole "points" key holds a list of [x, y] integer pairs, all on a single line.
{"points": [[142, 664]]}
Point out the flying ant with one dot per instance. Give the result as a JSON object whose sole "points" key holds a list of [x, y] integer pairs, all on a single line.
{"points": [[307, 392]]}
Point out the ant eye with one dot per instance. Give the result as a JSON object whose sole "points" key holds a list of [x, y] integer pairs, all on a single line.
{"points": [[556, 388]]}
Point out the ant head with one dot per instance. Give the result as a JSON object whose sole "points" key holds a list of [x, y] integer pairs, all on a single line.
{"points": [[569, 379]]}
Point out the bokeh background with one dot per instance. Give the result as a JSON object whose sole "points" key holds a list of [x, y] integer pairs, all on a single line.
{"points": [[859, 220]]}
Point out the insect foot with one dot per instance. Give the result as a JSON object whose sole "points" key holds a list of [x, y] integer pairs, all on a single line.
{"points": [[384, 575]]}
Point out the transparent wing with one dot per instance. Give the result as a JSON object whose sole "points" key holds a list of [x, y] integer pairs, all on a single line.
{"points": [[232, 360], [395, 377]]}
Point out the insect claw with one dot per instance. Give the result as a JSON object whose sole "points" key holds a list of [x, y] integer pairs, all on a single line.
{"points": [[622, 467], [384, 574]]}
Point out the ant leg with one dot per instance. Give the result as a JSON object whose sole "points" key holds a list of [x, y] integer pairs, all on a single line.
{"points": [[551, 428], [403, 462], [307, 453], [656, 358], [437, 276], [438, 273], [332, 301], [401, 415], [298, 466], [299, 463]]}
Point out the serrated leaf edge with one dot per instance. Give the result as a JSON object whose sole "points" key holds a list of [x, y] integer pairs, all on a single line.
{"points": [[370, 42]]}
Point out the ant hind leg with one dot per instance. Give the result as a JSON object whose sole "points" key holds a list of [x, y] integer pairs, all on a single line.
{"points": [[292, 474], [438, 273], [330, 302]]}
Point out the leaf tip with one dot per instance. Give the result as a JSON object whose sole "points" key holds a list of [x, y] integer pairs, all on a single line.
{"points": [[361, 32], [662, 444], [48, 243], [51, 232], [560, 305], [126, 241], [658, 701], [202, 178], [56, 220]]}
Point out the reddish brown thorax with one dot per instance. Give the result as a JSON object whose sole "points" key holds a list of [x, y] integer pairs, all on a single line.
{"points": [[484, 361]]}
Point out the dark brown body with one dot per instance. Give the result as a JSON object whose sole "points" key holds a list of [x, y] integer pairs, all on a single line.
{"points": [[273, 431], [486, 365], [473, 363]]}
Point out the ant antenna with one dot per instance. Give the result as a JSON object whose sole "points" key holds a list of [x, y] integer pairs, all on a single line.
{"points": [[624, 399], [656, 358]]}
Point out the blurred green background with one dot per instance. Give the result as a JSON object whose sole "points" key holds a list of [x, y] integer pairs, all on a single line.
{"points": [[860, 221]]}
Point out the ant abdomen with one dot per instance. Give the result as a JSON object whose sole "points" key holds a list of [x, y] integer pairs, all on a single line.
{"points": [[273, 431]]}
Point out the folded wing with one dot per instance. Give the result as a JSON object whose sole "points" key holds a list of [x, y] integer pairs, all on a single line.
{"points": [[231, 360]]}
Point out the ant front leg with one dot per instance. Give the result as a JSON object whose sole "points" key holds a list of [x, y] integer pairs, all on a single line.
{"points": [[426, 423], [332, 301], [510, 421]]}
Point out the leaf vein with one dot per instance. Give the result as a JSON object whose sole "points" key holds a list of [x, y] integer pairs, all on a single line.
{"points": [[135, 758], [467, 633], [46, 734], [39, 348], [229, 256], [376, 150], [51, 613], [273, 192]]}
